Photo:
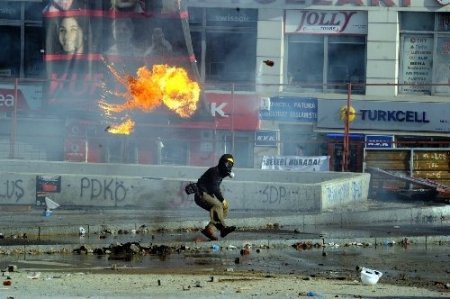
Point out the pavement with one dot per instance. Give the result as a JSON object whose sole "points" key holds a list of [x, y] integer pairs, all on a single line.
{"points": [[420, 221]]}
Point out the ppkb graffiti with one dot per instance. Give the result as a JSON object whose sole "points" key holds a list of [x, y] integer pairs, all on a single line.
{"points": [[108, 189]]}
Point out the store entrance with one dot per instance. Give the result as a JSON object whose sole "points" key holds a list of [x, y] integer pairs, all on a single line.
{"points": [[336, 150]]}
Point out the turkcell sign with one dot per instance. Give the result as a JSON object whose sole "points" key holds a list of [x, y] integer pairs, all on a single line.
{"points": [[386, 115], [379, 141], [395, 115]]}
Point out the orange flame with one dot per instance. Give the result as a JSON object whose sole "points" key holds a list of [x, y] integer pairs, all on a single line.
{"points": [[165, 85], [125, 128]]}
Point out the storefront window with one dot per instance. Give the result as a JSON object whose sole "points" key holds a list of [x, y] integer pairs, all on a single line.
{"points": [[326, 55], [33, 63], [425, 53], [9, 58], [224, 42]]}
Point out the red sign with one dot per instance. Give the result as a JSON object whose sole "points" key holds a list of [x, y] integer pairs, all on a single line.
{"points": [[8, 100], [234, 112]]}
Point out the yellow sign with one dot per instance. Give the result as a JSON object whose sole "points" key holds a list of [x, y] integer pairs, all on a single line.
{"points": [[351, 113]]}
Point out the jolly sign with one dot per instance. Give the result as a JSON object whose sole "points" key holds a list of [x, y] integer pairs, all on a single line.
{"points": [[325, 22]]}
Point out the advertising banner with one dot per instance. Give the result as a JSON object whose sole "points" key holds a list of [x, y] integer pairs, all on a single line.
{"points": [[84, 38], [417, 61], [296, 163], [46, 185], [29, 97]]}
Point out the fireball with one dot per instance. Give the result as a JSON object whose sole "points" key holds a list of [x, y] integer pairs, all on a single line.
{"points": [[162, 86]]}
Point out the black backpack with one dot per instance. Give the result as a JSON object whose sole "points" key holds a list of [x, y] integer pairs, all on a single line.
{"points": [[191, 188]]}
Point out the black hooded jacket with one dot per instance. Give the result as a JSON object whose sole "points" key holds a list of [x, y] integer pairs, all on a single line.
{"points": [[210, 181]]}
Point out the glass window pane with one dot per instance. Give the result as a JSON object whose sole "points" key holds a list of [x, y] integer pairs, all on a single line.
{"points": [[443, 22], [305, 62], [417, 21], [347, 39], [230, 56], [314, 38], [33, 11], [441, 64], [33, 63], [10, 56], [9, 10], [195, 16], [346, 63], [196, 38]]}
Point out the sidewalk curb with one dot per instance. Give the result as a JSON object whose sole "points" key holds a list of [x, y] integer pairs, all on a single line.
{"points": [[416, 215]]}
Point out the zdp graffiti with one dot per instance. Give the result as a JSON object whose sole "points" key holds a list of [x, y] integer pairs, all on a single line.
{"points": [[276, 194], [12, 189], [108, 189]]}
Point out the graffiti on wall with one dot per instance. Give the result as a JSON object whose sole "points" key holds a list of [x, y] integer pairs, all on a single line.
{"points": [[344, 192], [277, 194], [106, 189], [181, 199], [12, 190]]}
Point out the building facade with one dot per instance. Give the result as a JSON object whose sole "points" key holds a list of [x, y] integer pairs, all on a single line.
{"points": [[274, 73]]}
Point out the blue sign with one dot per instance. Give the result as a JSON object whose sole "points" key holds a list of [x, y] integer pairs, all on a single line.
{"points": [[379, 141], [293, 109], [266, 138]]}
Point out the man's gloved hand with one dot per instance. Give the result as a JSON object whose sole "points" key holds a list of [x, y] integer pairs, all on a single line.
{"points": [[225, 208], [225, 204]]}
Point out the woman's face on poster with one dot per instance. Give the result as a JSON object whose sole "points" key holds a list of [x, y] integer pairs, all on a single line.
{"points": [[123, 30], [70, 35], [63, 4], [125, 3]]}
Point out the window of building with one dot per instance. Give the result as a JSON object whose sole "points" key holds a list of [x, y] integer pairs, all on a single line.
{"points": [[425, 53], [21, 30], [326, 57], [10, 10], [33, 11], [9, 58], [224, 42], [33, 63]]}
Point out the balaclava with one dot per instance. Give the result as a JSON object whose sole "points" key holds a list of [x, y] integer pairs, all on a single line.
{"points": [[226, 163]]}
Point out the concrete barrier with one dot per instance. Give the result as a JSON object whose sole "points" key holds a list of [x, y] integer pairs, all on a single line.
{"points": [[162, 186]]}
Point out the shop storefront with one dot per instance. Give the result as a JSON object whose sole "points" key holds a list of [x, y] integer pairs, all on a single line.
{"points": [[387, 124]]}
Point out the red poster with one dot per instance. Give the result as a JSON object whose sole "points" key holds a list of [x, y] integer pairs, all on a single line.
{"points": [[83, 37]]}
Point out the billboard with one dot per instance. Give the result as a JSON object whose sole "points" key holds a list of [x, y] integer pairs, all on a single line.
{"points": [[84, 38]]}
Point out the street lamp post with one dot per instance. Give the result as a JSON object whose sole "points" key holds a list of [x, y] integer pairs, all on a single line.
{"points": [[346, 151]]}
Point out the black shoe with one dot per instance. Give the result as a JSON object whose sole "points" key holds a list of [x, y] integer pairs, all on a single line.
{"points": [[209, 234], [226, 230]]}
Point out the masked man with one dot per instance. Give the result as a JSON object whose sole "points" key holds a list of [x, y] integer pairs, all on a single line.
{"points": [[210, 198]]}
